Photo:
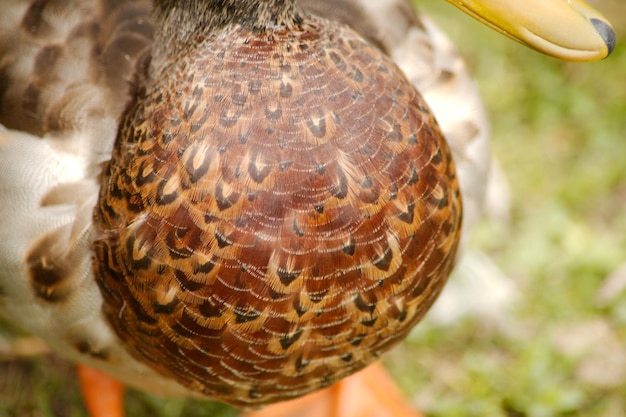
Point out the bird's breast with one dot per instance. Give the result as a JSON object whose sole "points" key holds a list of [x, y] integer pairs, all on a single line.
{"points": [[280, 209]]}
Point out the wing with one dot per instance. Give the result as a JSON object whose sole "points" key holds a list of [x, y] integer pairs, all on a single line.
{"points": [[67, 63], [66, 70]]}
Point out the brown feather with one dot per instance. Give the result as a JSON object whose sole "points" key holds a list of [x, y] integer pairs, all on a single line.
{"points": [[280, 209]]}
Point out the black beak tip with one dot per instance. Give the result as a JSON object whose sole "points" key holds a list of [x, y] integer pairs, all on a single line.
{"points": [[606, 32]]}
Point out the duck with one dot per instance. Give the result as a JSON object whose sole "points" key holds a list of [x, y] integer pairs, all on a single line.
{"points": [[242, 200]]}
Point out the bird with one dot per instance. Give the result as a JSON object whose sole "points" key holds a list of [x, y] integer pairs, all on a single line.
{"points": [[241, 200]]}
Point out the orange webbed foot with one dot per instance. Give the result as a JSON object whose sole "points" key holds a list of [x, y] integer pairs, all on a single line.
{"points": [[103, 395], [369, 393]]}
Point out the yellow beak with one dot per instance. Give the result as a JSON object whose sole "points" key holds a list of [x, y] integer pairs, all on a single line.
{"points": [[566, 29]]}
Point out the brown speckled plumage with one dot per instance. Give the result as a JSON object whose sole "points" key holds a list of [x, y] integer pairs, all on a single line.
{"points": [[280, 209], [50, 59], [246, 200]]}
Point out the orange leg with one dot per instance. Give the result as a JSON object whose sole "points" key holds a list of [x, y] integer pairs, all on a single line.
{"points": [[103, 395], [369, 393]]}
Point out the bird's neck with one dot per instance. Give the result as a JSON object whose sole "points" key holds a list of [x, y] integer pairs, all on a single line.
{"points": [[181, 20], [186, 16]]}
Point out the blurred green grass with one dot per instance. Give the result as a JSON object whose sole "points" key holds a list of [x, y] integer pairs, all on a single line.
{"points": [[559, 132]]}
